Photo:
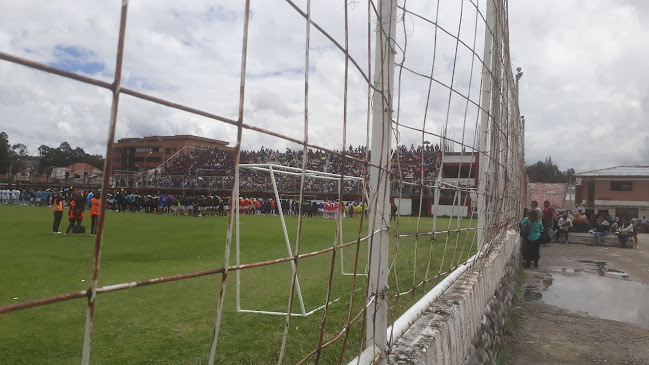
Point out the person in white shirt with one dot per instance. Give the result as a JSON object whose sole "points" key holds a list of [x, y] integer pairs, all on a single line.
{"points": [[564, 225], [625, 232]]}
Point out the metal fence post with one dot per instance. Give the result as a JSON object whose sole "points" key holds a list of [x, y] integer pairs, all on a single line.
{"points": [[487, 80], [377, 312]]}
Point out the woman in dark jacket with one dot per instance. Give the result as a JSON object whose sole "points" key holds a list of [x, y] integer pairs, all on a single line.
{"points": [[535, 226], [77, 206]]}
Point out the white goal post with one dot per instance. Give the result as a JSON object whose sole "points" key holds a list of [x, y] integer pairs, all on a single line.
{"points": [[273, 169]]}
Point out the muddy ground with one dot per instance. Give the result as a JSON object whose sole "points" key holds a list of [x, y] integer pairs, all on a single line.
{"points": [[584, 305]]}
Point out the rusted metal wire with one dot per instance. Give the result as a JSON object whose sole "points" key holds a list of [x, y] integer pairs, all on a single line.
{"points": [[340, 193], [302, 179], [115, 88], [235, 190]]}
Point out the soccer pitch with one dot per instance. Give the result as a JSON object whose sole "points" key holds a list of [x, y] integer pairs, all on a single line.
{"points": [[174, 322]]}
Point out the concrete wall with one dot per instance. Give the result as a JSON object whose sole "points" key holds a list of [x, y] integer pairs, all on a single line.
{"points": [[639, 193], [465, 325], [404, 206], [452, 211]]}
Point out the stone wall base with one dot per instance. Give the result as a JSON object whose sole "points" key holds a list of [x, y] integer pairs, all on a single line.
{"points": [[465, 325]]}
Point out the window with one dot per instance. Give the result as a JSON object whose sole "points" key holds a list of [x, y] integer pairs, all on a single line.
{"points": [[626, 212], [147, 149], [167, 150], [621, 186]]}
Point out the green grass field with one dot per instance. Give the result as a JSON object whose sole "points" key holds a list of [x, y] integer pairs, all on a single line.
{"points": [[172, 323]]}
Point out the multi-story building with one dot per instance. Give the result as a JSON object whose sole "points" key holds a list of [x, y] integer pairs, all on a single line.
{"points": [[621, 191], [139, 154]]}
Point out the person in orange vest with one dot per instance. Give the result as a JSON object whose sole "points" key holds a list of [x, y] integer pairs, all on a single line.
{"points": [[77, 206], [95, 204], [57, 208]]}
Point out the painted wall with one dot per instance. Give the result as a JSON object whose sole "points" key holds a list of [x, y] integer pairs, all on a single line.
{"points": [[603, 191], [451, 211], [404, 206]]}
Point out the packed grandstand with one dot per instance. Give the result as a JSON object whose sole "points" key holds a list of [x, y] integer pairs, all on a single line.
{"points": [[213, 169], [174, 188]]}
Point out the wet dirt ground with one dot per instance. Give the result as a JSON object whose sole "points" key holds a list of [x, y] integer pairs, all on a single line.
{"points": [[584, 305]]}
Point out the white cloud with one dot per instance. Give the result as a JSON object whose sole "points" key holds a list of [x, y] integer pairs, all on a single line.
{"points": [[583, 90], [584, 81]]}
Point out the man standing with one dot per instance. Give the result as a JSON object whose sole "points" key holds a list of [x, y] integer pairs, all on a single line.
{"points": [[57, 209], [89, 199], [548, 218], [535, 206], [564, 225], [393, 212], [95, 205]]}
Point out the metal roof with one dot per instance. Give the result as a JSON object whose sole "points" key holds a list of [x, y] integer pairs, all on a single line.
{"points": [[618, 171]]}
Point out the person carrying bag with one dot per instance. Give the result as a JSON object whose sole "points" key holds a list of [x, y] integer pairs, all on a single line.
{"points": [[533, 226]]}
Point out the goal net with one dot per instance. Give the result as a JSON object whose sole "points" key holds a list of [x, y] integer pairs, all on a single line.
{"points": [[271, 170], [407, 109]]}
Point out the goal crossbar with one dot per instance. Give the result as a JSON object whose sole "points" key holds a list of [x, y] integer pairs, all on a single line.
{"points": [[294, 171]]}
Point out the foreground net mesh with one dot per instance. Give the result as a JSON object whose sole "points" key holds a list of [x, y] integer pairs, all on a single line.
{"points": [[438, 77]]}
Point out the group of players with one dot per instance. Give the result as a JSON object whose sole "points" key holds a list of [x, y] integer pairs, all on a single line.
{"points": [[324, 209], [188, 205], [25, 196], [76, 202], [212, 205]]}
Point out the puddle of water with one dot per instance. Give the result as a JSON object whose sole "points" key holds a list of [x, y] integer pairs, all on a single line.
{"points": [[599, 267], [600, 264], [603, 297], [530, 293]]}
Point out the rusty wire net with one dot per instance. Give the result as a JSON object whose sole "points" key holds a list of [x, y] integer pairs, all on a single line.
{"points": [[450, 161]]}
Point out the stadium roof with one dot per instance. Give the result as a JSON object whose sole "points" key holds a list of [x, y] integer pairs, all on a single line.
{"points": [[618, 171], [170, 138]]}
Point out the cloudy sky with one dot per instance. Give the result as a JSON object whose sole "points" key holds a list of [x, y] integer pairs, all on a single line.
{"points": [[583, 91]]}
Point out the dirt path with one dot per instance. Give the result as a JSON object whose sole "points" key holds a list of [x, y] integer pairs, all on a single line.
{"points": [[584, 305]]}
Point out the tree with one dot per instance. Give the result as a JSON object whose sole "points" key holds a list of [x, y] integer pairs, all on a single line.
{"points": [[65, 155], [547, 172], [5, 153], [20, 150]]}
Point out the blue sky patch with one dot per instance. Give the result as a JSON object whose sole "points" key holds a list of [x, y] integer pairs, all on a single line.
{"points": [[286, 71], [75, 59]]}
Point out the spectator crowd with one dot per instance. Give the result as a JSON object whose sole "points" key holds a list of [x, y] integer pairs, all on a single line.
{"points": [[213, 169]]}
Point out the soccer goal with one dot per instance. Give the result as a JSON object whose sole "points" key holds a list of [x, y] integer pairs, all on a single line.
{"points": [[273, 169]]}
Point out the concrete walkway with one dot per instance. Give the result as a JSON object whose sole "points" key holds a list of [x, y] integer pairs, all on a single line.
{"points": [[584, 305]]}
